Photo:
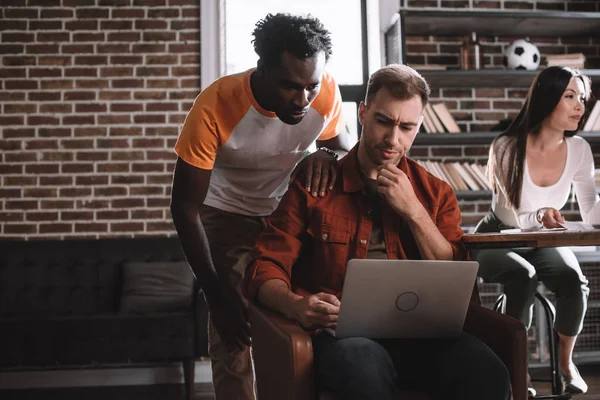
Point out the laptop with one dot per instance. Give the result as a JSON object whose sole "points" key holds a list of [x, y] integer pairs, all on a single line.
{"points": [[405, 298]]}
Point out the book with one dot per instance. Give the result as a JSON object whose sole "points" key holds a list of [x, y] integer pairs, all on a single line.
{"points": [[447, 120], [434, 118]]}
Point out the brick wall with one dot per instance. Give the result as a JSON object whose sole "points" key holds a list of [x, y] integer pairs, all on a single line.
{"points": [[479, 109], [93, 94]]}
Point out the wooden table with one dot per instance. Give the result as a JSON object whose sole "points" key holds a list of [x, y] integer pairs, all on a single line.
{"points": [[532, 239]]}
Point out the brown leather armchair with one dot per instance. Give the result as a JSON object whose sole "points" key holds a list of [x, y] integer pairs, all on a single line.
{"points": [[283, 355]]}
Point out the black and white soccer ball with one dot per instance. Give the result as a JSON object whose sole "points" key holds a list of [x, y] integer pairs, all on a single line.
{"points": [[522, 54]]}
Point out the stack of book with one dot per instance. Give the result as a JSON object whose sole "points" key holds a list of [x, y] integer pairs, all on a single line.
{"points": [[461, 176], [437, 119], [593, 121], [574, 60]]}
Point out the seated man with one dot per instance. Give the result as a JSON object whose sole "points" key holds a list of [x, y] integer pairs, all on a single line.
{"points": [[384, 206]]}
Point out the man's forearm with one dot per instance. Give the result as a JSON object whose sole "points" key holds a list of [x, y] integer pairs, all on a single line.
{"points": [[276, 295], [431, 243], [196, 248]]}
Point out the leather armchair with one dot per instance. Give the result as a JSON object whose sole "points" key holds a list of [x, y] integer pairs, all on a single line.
{"points": [[283, 356]]}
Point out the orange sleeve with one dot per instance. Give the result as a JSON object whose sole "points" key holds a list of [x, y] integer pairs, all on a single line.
{"points": [[329, 104], [210, 122]]}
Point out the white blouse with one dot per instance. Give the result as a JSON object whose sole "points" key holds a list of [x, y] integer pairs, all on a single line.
{"points": [[579, 171]]}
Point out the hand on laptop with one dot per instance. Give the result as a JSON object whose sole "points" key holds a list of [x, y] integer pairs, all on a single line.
{"points": [[317, 311]]}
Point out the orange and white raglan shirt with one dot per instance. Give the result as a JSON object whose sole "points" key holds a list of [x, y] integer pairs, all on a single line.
{"points": [[250, 151]]}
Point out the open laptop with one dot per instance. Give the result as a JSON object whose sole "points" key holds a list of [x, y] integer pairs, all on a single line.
{"points": [[405, 298]]}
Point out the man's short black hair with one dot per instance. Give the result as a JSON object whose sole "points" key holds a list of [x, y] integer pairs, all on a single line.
{"points": [[304, 37]]}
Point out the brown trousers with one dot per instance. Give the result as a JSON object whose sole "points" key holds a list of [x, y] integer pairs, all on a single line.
{"points": [[231, 238]]}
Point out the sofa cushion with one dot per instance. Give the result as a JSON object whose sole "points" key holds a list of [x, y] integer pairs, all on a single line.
{"points": [[161, 286]]}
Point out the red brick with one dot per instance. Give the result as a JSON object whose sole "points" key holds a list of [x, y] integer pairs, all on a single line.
{"points": [[81, 72], [85, 25], [20, 157], [91, 180], [10, 84], [193, 59], [44, 3], [191, 83], [54, 132], [127, 13], [20, 180], [186, 71], [195, 48], [126, 180], [41, 144], [11, 216], [148, 142], [183, 94], [149, 119], [129, 37], [160, 13], [13, 25], [151, 71], [92, 156], [56, 13], [507, 105], [190, 12], [165, 179], [56, 108], [550, 6], [76, 215], [91, 227], [78, 120], [21, 204], [162, 95], [41, 168], [119, 60], [92, 13], [90, 107], [45, 72], [148, 3], [77, 48], [12, 48], [16, 229], [18, 61], [44, 96], [10, 133], [18, 108], [110, 191], [116, 71], [162, 131], [42, 120], [150, 48], [147, 167], [40, 192], [160, 107], [160, 36], [188, 37], [55, 60], [20, 13], [146, 214], [57, 156], [126, 107], [115, 95], [90, 131], [41, 216], [127, 203], [158, 202], [56, 180], [112, 167], [127, 83], [11, 193], [10, 37], [116, 25], [53, 37], [112, 214], [162, 83], [88, 37], [132, 131], [114, 119], [55, 228], [159, 226], [37, 25], [81, 168], [186, 106], [80, 96], [91, 84], [113, 48], [178, 119], [75, 192], [91, 60], [126, 226], [114, 2], [112, 143]]}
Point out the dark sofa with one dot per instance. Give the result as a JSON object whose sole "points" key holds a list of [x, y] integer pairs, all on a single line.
{"points": [[59, 307]]}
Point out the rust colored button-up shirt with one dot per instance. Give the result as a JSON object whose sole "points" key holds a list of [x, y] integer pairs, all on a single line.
{"points": [[308, 241]]}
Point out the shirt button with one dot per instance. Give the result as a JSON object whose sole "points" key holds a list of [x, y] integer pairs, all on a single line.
{"points": [[325, 236], [363, 241]]}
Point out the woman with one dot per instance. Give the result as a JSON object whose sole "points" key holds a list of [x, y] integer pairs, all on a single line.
{"points": [[532, 166]]}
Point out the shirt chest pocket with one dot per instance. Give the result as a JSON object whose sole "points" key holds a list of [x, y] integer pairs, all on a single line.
{"points": [[330, 254], [325, 234]]}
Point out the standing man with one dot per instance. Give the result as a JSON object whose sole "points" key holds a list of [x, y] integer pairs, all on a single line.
{"points": [[383, 206], [239, 144]]}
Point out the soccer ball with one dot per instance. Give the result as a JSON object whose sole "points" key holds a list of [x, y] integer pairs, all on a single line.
{"points": [[522, 54]]}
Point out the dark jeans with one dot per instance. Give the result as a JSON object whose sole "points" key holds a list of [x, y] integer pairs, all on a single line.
{"points": [[520, 270], [358, 368]]}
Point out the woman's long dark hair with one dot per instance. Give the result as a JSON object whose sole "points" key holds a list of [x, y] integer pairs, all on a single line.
{"points": [[544, 95]]}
